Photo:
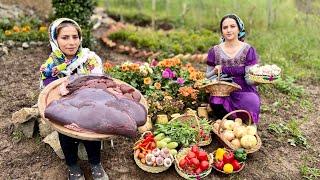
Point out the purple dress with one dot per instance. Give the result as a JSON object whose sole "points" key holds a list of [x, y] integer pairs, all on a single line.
{"points": [[247, 98]]}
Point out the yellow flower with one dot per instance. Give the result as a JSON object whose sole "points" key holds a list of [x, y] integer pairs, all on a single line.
{"points": [[157, 85], [26, 29], [168, 97], [7, 32], [147, 80], [43, 29], [16, 29]]}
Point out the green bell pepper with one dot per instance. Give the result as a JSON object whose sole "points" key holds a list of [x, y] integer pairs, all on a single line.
{"points": [[240, 154]]}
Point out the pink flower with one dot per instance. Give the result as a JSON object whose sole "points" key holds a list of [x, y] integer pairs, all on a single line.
{"points": [[168, 74], [154, 63], [180, 81]]}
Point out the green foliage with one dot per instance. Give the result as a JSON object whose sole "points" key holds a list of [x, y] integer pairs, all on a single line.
{"points": [[173, 42], [17, 135], [291, 131], [287, 86], [310, 172], [78, 10], [23, 29]]}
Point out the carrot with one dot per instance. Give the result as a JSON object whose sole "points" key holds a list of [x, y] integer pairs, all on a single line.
{"points": [[143, 160], [136, 153]]}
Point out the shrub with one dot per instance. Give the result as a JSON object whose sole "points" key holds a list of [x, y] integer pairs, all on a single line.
{"points": [[78, 10]]}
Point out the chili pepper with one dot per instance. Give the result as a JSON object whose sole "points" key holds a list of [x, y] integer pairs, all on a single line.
{"points": [[219, 164], [236, 165]]}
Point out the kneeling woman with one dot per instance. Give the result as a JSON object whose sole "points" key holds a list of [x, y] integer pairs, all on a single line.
{"points": [[233, 57]]}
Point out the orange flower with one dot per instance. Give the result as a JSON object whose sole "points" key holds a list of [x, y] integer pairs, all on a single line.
{"points": [[157, 85], [107, 66], [16, 29], [7, 32], [134, 67], [147, 80], [124, 68]]}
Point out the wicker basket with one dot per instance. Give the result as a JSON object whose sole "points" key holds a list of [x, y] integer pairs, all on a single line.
{"points": [[220, 88], [228, 143], [147, 168], [181, 154], [241, 163], [262, 79], [188, 117]]}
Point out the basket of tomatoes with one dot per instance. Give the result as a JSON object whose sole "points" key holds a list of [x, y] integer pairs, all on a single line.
{"points": [[193, 163], [227, 161], [150, 158]]}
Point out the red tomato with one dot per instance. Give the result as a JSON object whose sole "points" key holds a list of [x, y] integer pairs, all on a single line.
{"points": [[195, 162], [228, 157], [191, 155], [219, 165], [195, 149], [182, 163], [204, 165], [202, 156], [236, 165], [198, 171]]}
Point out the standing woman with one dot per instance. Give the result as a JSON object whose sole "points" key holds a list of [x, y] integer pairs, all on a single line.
{"points": [[234, 57], [68, 57]]}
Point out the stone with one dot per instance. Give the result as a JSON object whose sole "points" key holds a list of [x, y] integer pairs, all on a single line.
{"points": [[53, 140], [20, 48], [27, 128], [10, 43], [25, 45], [5, 50], [44, 128], [82, 153], [24, 114]]}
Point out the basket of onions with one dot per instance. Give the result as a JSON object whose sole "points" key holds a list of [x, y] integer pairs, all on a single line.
{"points": [[150, 158], [236, 134]]}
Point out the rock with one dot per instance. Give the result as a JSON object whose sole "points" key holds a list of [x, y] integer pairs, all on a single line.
{"points": [[25, 45], [24, 114], [44, 128], [20, 48], [53, 140], [5, 50], [10, 43], [33, 43], [27, 128]]}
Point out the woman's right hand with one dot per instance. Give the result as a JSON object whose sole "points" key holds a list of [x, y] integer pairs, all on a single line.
{"points": [[217, 69]]}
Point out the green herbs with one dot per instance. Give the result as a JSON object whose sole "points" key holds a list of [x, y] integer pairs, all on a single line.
{"points": [[179, 132]]}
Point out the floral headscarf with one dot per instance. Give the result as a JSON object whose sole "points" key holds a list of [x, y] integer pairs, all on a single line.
{"points": [[85, 61], [242, 31]]}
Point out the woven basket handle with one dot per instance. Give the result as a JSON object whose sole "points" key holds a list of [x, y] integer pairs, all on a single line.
{"points": [[219, 74], [198, 123], [233, 112]]}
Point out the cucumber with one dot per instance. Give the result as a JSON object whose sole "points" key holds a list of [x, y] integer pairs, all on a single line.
{"points": [[159, 136], [172, 145], [161, 144], [166, 139]]}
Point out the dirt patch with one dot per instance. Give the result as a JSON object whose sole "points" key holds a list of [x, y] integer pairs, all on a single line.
{"points": [[32, 159]]}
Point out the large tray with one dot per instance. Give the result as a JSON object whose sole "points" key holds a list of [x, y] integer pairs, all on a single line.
{"points": [[51, 93]]}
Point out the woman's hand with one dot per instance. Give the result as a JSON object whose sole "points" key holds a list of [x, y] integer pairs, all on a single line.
{"points": [[217, 69], [55, 71]]}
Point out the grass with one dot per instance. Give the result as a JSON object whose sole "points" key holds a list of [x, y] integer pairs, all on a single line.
{"points": [[290, 131], [310, 171]]}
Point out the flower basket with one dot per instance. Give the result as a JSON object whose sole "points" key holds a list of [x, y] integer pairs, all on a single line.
{"points": [[145, 167], [181, 154], [194, 119], [214, 167], [218, 132], [263, 79]]}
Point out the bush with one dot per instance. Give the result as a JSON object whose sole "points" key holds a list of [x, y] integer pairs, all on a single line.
{"points": [[78, 10]]}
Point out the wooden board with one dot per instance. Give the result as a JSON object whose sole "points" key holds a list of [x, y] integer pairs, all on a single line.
{"points": [[51, 93]]}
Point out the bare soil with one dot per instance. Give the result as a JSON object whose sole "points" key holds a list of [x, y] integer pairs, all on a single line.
{"points": [[32, 159]]}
